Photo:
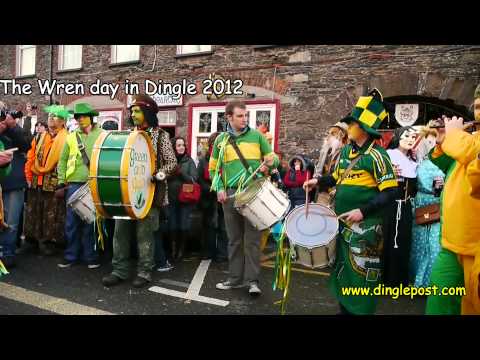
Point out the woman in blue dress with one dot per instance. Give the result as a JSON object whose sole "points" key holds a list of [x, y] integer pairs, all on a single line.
{"points": [[425, 238]]}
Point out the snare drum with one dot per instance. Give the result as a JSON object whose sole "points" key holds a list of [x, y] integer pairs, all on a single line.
{"points": [[81, 203], [121, 170], [262, 203], [313, 238]]}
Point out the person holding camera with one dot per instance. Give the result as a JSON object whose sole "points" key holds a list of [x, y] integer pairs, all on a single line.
{"points": [[13, 186]]}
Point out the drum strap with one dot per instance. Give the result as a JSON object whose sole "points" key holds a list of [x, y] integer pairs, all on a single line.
{"points": [[232, 142], [81, 147], [349, 168]]}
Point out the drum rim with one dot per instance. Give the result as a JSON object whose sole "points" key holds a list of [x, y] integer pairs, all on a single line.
{"points": [[262, 180], [297, 209], [94, 173], [124, 166]]}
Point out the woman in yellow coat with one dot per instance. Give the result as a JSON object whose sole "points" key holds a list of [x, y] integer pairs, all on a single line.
{"points": [[458, 263]]}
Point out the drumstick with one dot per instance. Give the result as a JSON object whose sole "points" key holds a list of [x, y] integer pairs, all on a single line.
{"points": [[12, 150], [254, 173], [306, 199]]}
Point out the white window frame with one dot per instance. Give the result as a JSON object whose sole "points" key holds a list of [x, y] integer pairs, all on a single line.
{"points": [[113, 55], [251, 108], [18, 57], [60, 58], [170, 112], [181, 50]]}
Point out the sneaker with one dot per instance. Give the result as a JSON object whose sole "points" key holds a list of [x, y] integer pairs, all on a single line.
{"points": [[254, 290], [166, 267], [65, 264], [93, 266], [227, 285]]}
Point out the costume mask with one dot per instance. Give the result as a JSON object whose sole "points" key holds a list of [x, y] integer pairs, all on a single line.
{"points": [[407, 139], [137, 116]]}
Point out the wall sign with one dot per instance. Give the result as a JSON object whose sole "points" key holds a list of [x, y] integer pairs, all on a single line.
{"points": [[406, 114]]}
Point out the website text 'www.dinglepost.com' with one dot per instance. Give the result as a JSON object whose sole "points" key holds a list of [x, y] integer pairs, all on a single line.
{"points": [[397, 291]]}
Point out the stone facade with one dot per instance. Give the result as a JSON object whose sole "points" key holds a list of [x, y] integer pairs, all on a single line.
{"points": [[316, 85]]}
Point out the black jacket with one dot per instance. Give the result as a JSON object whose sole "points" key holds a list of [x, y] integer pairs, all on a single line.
{"points": [[187, 173], [15, 137]]}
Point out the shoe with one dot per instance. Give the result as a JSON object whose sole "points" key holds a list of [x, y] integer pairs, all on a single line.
{"points": [[66, 264], [93, 266], [254, 290], [111, 280], [227, 285], [9, 262], [140, 282], [166, 267]]}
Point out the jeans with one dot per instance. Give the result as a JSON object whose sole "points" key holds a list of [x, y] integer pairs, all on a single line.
{"points": [[179, 216], [78, 234], [159, 235], [12, 206]]}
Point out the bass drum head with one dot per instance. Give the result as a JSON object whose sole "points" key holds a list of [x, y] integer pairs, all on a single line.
{"points": [[247, 195], [319, 229], [138, 165]]}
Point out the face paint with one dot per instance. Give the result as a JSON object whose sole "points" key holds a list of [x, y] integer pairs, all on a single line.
{"points": [[84, 121], [137, 115], [354, 131], [476, 109], [407, 140]]}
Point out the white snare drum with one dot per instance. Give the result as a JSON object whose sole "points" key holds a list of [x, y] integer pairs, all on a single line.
{"points": [[81, 203], [262, 203], [313, 238]]}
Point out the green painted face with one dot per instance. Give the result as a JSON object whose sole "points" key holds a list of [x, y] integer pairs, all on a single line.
{"points": [[137, 116]]}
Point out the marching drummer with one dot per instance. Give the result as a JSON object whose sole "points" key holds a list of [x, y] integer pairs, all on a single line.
{"points": [[226, 168], [73, 169], [143, 111], [365, 184]]}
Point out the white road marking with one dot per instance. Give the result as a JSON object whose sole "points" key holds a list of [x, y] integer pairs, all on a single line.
{"points": [[198, 278], [175, 283], [47, 302], [194, 288]]}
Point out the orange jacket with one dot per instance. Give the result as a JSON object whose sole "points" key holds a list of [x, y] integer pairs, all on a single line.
{"points": [[45, 141]]}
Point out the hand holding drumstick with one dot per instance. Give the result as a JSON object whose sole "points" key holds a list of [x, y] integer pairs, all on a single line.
{"points": [[352, 216]]}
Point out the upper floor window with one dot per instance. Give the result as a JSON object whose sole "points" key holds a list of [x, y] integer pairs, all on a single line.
{"points": [[193, 49], [125, 53], [69, 57], [25, 60]]}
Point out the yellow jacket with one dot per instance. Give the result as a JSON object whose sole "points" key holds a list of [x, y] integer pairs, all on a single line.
{"points": [[460, 227], [473, 176]]}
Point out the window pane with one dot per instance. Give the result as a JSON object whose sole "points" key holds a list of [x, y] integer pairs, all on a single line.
{"points": [[205, 123], [126, 53], [72, 56], [167, 117], [27, 59], [221, 122], [263, 119], [202, 146], [189, 49]]}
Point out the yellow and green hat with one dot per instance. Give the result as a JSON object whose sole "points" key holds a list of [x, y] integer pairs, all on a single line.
{"points": [[369, 112]]}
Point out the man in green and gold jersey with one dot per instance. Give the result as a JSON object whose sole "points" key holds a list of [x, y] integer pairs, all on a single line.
{"points": [[227, 172], [362, 191]]}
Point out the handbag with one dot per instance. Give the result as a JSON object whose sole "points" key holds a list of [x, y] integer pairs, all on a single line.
{"points": [[427, 214], [189, 193]]}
